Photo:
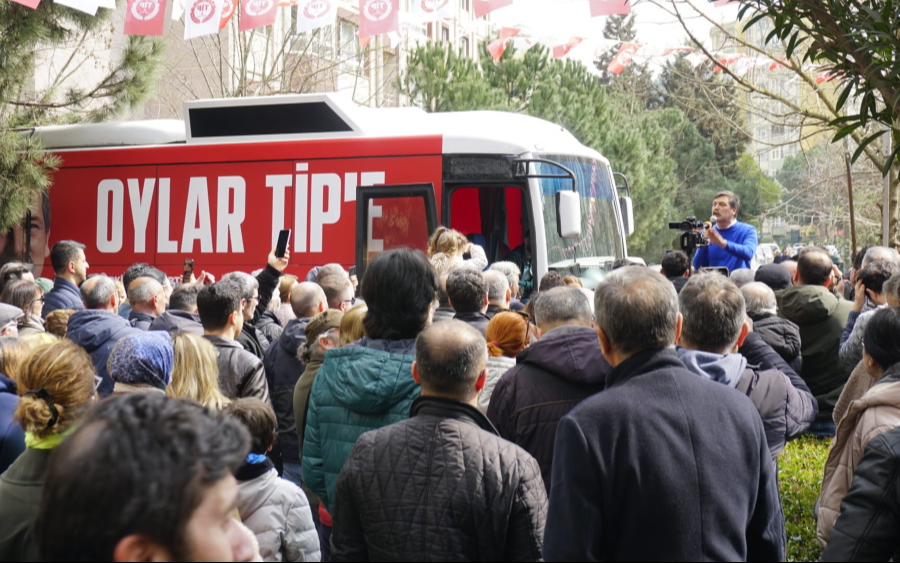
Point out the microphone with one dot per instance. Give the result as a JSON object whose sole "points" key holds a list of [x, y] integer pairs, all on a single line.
{"points": [[713, 220]]}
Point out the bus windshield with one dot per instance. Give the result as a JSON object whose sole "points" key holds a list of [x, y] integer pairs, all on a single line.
{"points": [[601, 241]]}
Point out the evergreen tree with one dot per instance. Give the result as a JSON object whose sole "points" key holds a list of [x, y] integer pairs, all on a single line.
{"points": [[636, 81], [24, 168]]}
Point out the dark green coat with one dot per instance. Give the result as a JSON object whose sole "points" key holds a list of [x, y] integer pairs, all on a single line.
{"points": [[20, 495], [359, 388], [821, 316]]}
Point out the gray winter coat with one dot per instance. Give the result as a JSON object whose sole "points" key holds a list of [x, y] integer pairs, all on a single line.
{"points": [[175, 321], [278, 513], [241, 374], [497, 368]]}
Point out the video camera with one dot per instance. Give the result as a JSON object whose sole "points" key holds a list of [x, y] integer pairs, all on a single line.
{"points": [[691, 234]]}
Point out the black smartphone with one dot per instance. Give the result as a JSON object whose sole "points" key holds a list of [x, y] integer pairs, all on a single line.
{"points": [[283, 237], [352, 271], [188, 270]]}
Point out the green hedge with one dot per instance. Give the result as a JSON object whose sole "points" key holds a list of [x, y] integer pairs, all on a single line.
{"points": [[800, 477]]}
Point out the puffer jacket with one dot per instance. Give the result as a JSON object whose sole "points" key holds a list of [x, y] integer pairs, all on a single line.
{"points": [[870, 513], [241, 374], [783, 336], [550, 378], [64, 295], [821, 316], [441, 486], [360, 387], [12, 437], [98, 332], [278, 513], [496, 368], [269, 329], [140, 320], [874, 414], [283, 370], [175, 321]]}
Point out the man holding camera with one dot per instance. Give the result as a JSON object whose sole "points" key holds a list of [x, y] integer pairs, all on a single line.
{"points": [[732, 244]]}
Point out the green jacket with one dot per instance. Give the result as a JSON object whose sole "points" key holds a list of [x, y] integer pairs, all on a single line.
{"points": [[821, 316], [359, 388], [20, 496]]}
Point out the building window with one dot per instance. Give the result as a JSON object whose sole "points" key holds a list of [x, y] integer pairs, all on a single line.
{"points": [[348, 46], [445, 34], [429, 30], [777, 130], [464, 4], [464, 47], [762, 132]]}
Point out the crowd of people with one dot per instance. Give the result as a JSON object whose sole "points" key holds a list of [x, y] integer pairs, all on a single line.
{"points": [[443, 408]]}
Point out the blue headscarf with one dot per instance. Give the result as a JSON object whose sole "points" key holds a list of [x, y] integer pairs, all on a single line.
{"points": [[144, 358]]}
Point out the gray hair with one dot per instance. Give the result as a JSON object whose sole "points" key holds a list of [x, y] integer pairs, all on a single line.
{"points": [[143, 290], [637, 310], [245, 281], [742, 277], [892, 287], [714, 311], [562, 306], [305, 297], [96, 291], [497, 285], [450, 356], [882, 253], [760, 300], [330, 270], [512, 273]]}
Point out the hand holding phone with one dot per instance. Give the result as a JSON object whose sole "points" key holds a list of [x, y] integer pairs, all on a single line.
{"points": [[187, 273], [283, 238]]}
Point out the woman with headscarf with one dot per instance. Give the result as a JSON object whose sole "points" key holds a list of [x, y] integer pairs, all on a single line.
{"points": [[142, 363]]}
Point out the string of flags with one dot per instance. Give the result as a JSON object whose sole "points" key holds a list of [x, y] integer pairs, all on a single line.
{"points": [[377, 17]]}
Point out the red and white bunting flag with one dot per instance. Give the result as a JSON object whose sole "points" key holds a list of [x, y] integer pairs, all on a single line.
{"points": [[560, 51], [485, 7], [509, 32], [497, 47], [523, 44], [177, 9], [720, 3], [728, 59], [145, 17], [202, 17], [257, 13], [229, 7], [825, 76], [696, 59], [315, 14], [623, 58], [86, 6], [610, 8], [433, 10], [33, 4], [377, 17]]}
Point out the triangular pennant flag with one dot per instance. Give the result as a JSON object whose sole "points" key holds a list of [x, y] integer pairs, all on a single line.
{"points": [[496, 48], [229, 7], [560, 51], [33, 4], [202, 17], [86, 6], [825, 76], [623, 58], [508, 32], [145, 17], [315, 14], [485, 7], [257, 13], [720, 3], [377, 17], [610, 8], [433, 10], [177, 9]]}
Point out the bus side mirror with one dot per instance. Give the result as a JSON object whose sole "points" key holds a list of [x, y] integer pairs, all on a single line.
{"points": [[568, 214], [627, 208]]}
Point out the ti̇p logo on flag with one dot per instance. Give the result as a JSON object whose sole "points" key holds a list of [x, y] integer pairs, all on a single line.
{"points": [[202, 11], [144, 10], [433, 5], [259, 7], [317, 9], [377, 10]]}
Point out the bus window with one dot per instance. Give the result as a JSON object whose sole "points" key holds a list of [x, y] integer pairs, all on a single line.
{"points": [[492, 217]]}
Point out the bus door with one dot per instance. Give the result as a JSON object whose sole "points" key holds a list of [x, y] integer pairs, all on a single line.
{"points": [[493, 216], [393, 216]]}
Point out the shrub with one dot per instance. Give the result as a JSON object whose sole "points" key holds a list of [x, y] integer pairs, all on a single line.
{"points": [[800, 469]]}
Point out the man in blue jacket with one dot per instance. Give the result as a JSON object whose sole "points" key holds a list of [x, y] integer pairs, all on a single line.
{"points": [[70, 265], [732, 244], [662, 464]]}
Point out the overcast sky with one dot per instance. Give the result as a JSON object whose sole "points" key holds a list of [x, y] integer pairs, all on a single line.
{"points": [[571, 18]]}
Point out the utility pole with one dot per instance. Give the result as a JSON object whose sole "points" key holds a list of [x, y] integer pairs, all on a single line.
{"points": [[886, 197], [853, 246]]}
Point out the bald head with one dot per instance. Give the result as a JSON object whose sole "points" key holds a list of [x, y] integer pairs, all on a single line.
{"points": [[99, 293], [814, 267], [308, 300], [450, 359]]}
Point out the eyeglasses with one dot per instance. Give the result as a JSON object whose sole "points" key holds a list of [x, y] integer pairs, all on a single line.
{"points": [[352, 302]]}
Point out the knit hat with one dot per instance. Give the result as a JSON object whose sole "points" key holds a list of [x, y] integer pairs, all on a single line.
{"points": [[775, 276], [322, 322], [9, 313], [146, 357], [45, 284]]}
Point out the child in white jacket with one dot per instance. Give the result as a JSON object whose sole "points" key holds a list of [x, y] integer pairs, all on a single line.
{"points": [[277, 511]]}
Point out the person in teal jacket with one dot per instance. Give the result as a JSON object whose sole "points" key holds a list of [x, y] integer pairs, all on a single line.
{"points": [[368, 384]]}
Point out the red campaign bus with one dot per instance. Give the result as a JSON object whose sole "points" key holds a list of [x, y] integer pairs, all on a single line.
{"points": [[350, 182]]}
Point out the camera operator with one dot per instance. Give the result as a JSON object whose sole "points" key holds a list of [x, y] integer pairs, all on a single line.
{"points": [[732, 244]]}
